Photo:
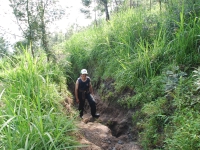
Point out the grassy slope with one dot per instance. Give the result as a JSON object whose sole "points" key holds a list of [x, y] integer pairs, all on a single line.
{"points": [[31, 115], [155, 55]]}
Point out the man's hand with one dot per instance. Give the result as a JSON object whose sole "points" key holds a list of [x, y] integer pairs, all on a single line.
{"points": [[77, 100]]}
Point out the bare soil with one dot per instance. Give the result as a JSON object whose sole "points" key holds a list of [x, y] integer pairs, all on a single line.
{"points": [[111, 131]]}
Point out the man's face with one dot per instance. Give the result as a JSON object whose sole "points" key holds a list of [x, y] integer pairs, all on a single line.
{"points": [[83, 75]]}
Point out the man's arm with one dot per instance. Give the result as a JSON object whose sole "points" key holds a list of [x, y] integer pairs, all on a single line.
{"points": [[76, 91], [91, 89]]}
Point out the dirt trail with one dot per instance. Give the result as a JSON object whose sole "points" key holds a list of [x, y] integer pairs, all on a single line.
{"points": [[111, 131]]}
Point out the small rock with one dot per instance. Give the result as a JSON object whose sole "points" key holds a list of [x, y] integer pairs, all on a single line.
{"points": [[120, 142], [130, 136], [104, 141]]}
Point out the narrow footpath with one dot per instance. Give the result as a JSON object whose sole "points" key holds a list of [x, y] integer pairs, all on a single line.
{"points": [[111, 131]]}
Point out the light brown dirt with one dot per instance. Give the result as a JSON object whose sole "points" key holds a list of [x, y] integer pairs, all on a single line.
{"points": [[111, 131]]}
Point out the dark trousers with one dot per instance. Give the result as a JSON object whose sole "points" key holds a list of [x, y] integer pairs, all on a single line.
{"points": [[82, 104]]}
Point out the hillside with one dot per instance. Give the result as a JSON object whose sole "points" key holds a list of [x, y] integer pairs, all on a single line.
{"points": [[143, 64], [147, 62]]}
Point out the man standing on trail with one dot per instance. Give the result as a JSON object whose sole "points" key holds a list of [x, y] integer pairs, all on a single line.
{"points": [[83, 90]]}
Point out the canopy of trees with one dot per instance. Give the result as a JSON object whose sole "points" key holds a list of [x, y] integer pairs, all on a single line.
{"points": [[33, 18]]}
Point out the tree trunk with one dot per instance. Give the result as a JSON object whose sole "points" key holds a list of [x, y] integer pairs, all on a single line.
{"points": [[106, 10], [29, 36], [116, 5], [160, 5], [131, 3], [95, 14], [96, 18], [44, 39]]}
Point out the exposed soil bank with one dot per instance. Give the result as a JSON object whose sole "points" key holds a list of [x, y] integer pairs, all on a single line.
{"points": [[111, 131]]}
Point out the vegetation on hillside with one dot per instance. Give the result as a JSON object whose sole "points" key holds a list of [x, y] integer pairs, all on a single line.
{"points": [[156, 56], [149, 55], [32, 116]]}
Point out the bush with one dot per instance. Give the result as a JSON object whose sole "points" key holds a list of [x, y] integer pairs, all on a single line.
{"points": [[31, 116]]}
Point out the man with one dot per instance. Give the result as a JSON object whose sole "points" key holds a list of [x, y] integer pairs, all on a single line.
{"points": [[83, 90]]}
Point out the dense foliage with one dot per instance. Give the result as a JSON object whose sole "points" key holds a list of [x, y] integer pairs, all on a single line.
{"points": [[156, 56], [31, 115]]}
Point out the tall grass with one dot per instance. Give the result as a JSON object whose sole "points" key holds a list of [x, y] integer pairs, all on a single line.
{"points": [[136, 50], [31, 116], [117, 44], [187, 27]]}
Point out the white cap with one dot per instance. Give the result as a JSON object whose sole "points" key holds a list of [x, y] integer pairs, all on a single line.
{"points": [[84, 71]]}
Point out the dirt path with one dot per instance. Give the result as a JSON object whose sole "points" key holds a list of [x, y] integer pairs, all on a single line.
{"points": [[111, 131]]}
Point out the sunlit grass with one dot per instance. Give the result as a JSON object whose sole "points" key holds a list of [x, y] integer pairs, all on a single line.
{"points": [[31, 116]]}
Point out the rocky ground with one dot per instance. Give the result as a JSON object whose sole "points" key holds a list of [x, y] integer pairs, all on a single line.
{"points": [[111, 131]]}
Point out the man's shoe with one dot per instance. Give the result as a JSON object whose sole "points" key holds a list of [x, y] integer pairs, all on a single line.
{"points": [[96, 116]]}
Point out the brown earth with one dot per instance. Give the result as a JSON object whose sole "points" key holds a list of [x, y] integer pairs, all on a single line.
{"points": [[111, 131]]}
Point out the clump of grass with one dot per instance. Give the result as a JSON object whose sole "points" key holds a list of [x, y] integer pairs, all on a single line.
{"points": [[31, 116], [185, 133]]}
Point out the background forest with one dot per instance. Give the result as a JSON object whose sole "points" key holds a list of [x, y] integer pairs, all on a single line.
{"points": [[149, 50]]}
